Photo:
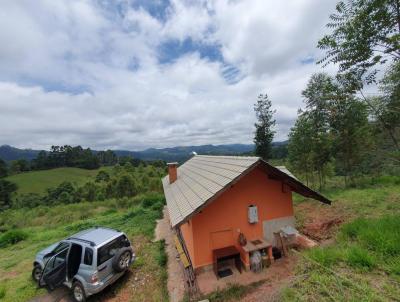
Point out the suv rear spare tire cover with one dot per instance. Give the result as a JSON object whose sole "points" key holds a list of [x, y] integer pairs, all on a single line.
{"points": [[122, 259]]}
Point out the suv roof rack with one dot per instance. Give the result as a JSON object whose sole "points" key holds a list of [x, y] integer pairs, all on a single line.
{"points": [[83, 240], [103, 227]]}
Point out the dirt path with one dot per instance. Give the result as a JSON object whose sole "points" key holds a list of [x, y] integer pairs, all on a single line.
{"points": [[279, 275], [61, 294], [176, 288]]}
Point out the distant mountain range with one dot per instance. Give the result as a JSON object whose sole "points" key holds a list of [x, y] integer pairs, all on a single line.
{"points": [[179, 154]]}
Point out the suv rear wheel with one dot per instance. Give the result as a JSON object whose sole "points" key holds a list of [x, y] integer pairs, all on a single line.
{"points": [[78, 292], [122, 260]]}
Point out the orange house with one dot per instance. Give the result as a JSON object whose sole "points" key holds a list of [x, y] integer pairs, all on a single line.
{"points": [[212, 199]]}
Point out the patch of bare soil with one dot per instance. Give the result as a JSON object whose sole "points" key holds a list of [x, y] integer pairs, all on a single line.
{"points": [[320, 222]]}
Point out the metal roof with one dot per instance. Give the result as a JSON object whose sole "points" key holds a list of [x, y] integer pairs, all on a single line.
{"points": [[204, 177]]}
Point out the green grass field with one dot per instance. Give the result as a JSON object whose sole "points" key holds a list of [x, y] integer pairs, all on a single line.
{"points": [[43, 226], [39, 181]]}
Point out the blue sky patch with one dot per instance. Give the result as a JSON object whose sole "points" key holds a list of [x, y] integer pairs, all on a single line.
{"points": [[171, 50], [307, 60], [156, 8]]}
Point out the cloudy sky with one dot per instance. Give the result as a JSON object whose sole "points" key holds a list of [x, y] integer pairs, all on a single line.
{"points": [[133, 74]]}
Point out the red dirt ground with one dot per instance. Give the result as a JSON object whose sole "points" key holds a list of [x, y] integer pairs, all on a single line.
{"points": [[320, 222]]}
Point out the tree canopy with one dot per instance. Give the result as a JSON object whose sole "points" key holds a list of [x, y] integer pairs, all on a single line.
{"points": [[364, 34], [264, 132]]}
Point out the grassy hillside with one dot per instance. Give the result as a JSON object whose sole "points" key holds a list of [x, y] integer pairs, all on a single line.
{"points": [[361, 262], [135, 216], [39, 181]]}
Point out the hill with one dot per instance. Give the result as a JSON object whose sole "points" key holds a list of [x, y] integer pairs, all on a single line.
{"points": [[180, 153], [8, 153], [39, 181]]}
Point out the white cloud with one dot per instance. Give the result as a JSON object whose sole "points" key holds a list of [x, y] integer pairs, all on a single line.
{"points": [[52, 51]]}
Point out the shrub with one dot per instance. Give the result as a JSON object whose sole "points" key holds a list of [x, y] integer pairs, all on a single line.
{"points": [[150, 199], [102, 176], [161, 255], [360, 258], [12, 237], [29, 200], [2, 292]]}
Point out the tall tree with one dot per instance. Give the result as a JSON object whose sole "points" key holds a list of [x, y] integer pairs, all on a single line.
{"points": [[389, 103], [350, 131], [264, 132], [365, 34], [317, 97], [300, 148]]}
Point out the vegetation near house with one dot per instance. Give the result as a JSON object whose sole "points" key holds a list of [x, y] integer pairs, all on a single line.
{"points": [[69, 208]]}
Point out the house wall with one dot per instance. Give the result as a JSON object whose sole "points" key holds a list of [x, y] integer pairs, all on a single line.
{"points": [[219, 223], [187, 234]]}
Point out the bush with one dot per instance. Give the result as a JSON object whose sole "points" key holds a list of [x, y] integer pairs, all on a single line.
{"points": [[12, 237], [102, 176], [161, 256], [2, 292], [29, 200], [360, 258], [151, 199]]}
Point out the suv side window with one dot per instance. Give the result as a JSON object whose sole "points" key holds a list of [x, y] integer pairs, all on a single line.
{"points": [[108, 251], [56, 261], [88, 258]]}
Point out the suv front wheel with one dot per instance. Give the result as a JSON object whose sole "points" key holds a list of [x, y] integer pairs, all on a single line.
{"points": [[78, 292], [37, 272]]}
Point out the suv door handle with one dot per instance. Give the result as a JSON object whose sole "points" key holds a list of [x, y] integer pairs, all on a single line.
{"points": [[103, 268]]}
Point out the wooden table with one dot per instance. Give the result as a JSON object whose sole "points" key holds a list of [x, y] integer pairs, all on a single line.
{"points": [[226, 253]]}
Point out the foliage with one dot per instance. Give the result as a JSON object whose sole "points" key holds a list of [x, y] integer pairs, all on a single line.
{"points": [[350, 132], [365, 33], [3, 168], [300, 148], [264, 132], [6, 189], [66, 156], [119, 183], [387, 106], [19, 165], [102, 176], [29, 200], [161, 256], [107, 158], [12, 237]]}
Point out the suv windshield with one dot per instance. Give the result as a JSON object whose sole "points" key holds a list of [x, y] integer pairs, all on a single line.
{"points": [[108, 250], [60, 247]]}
